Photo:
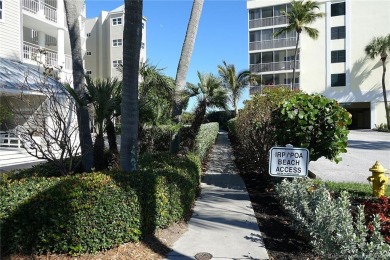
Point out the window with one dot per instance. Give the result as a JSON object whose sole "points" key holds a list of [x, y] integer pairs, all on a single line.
{"points": [[116, 63], [267, 12], [117, 21], [89, 53], [143, 25], [338, 80], [337, 9], [255, 58], [254, 14], [88, 34], [88, 72], [338, 56], [117, 42], [255, 36], [338, 32], [1, 10], [142, 45]]}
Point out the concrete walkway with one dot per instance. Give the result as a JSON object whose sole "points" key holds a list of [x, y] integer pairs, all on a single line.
{"points": [[223, 224]]}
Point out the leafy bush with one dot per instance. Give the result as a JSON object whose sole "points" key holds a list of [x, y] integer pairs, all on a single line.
{"points": [[329, 223], [381, 128], [313, 122], [156, 138], [255, 129], [379, 207], [92, 212], [231, 125], [205, 139], [222, 117]]}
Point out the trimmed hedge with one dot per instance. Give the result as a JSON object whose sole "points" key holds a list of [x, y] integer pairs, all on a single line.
{"points": [[156, 138], [92, 212], [205, 139]]}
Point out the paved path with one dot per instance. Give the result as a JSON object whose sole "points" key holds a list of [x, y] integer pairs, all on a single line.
{"points": [[223, 223], [364, 148]]}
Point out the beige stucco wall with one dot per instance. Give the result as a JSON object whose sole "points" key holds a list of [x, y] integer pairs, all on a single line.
{"points": [[11, 30]]}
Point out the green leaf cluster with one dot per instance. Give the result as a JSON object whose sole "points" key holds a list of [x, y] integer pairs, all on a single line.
{"points": [[313, 122], [93, 212]]}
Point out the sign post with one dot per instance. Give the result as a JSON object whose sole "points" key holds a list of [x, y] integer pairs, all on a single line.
{"points": [[288, 161]]}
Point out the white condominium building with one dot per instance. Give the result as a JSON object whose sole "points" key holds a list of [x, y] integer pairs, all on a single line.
{"points": [[29, 26], [105, 43], [335, 65]]}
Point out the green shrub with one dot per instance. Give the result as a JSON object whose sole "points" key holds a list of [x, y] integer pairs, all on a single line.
{"points": [[156, 138], [221, 117], [231, 125], [255, 130], [381, 128], [313, 122], [205, 139], [333, 231], [93, 212]]}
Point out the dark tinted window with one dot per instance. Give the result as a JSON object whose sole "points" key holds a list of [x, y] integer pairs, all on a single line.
{"points": [[338, 80], [338, 32], [338, 56], [337, 9]]}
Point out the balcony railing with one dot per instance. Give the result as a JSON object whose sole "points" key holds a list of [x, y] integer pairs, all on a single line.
{"points": [[259, 89], [274, 66], [269, 21], [36, 53], [272, 44], [36, 6]]}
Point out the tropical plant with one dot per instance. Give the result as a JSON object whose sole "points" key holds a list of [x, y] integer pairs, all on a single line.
{"points": [[132, 36], [302, 13], [182, 69], [72, 11], [104, 95], [210, 94], [234, 82], [380, 46]]}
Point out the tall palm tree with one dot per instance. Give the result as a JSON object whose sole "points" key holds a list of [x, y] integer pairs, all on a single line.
{"points": [[380, 46], [210, 94], [132, 36], [182, 68], [302, 13], [233, 82], [73, 10], [104, 96]]}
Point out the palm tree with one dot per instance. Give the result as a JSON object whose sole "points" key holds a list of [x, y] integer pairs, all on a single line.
{"points": [[73, 11], [182, 68], [132, 36], [234, 82], [210, 94], [302, 13], [380, 46], [104, 95]]}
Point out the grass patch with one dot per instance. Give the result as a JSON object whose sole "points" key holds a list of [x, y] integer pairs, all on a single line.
{"points": [[354, 189]]}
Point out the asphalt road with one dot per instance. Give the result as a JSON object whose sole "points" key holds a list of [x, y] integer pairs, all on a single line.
{"points": [[365, 147]]}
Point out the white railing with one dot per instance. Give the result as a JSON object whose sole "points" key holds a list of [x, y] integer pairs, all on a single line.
{"points": [[36, 53], [272, 44], [274, 66], [68, 62], [269, 21], [259, 89], [36, 6], [9, 139]]}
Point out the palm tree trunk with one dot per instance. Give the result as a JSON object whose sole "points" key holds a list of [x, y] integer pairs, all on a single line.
{"points": [[111, 136], [384, 93], [182, 69], [132, 36], [295, 58], [73, 11]]}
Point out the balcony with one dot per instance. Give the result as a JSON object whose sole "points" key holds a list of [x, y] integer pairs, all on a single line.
{"points": [[259, 89], [41, 8], [272, 44], [269, 21], [32, 52], [273, 66]]}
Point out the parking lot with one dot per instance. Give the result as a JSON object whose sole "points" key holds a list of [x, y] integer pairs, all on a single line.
{"points": [[365, 147]]}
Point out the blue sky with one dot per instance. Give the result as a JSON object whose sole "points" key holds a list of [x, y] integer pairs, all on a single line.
{"points": [[222, 34]]}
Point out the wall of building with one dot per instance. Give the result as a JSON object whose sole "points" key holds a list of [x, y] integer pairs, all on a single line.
{"points": [[10, 30]]}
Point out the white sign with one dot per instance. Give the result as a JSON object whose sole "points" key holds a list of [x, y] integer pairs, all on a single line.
{"points": [[288, 162]]}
